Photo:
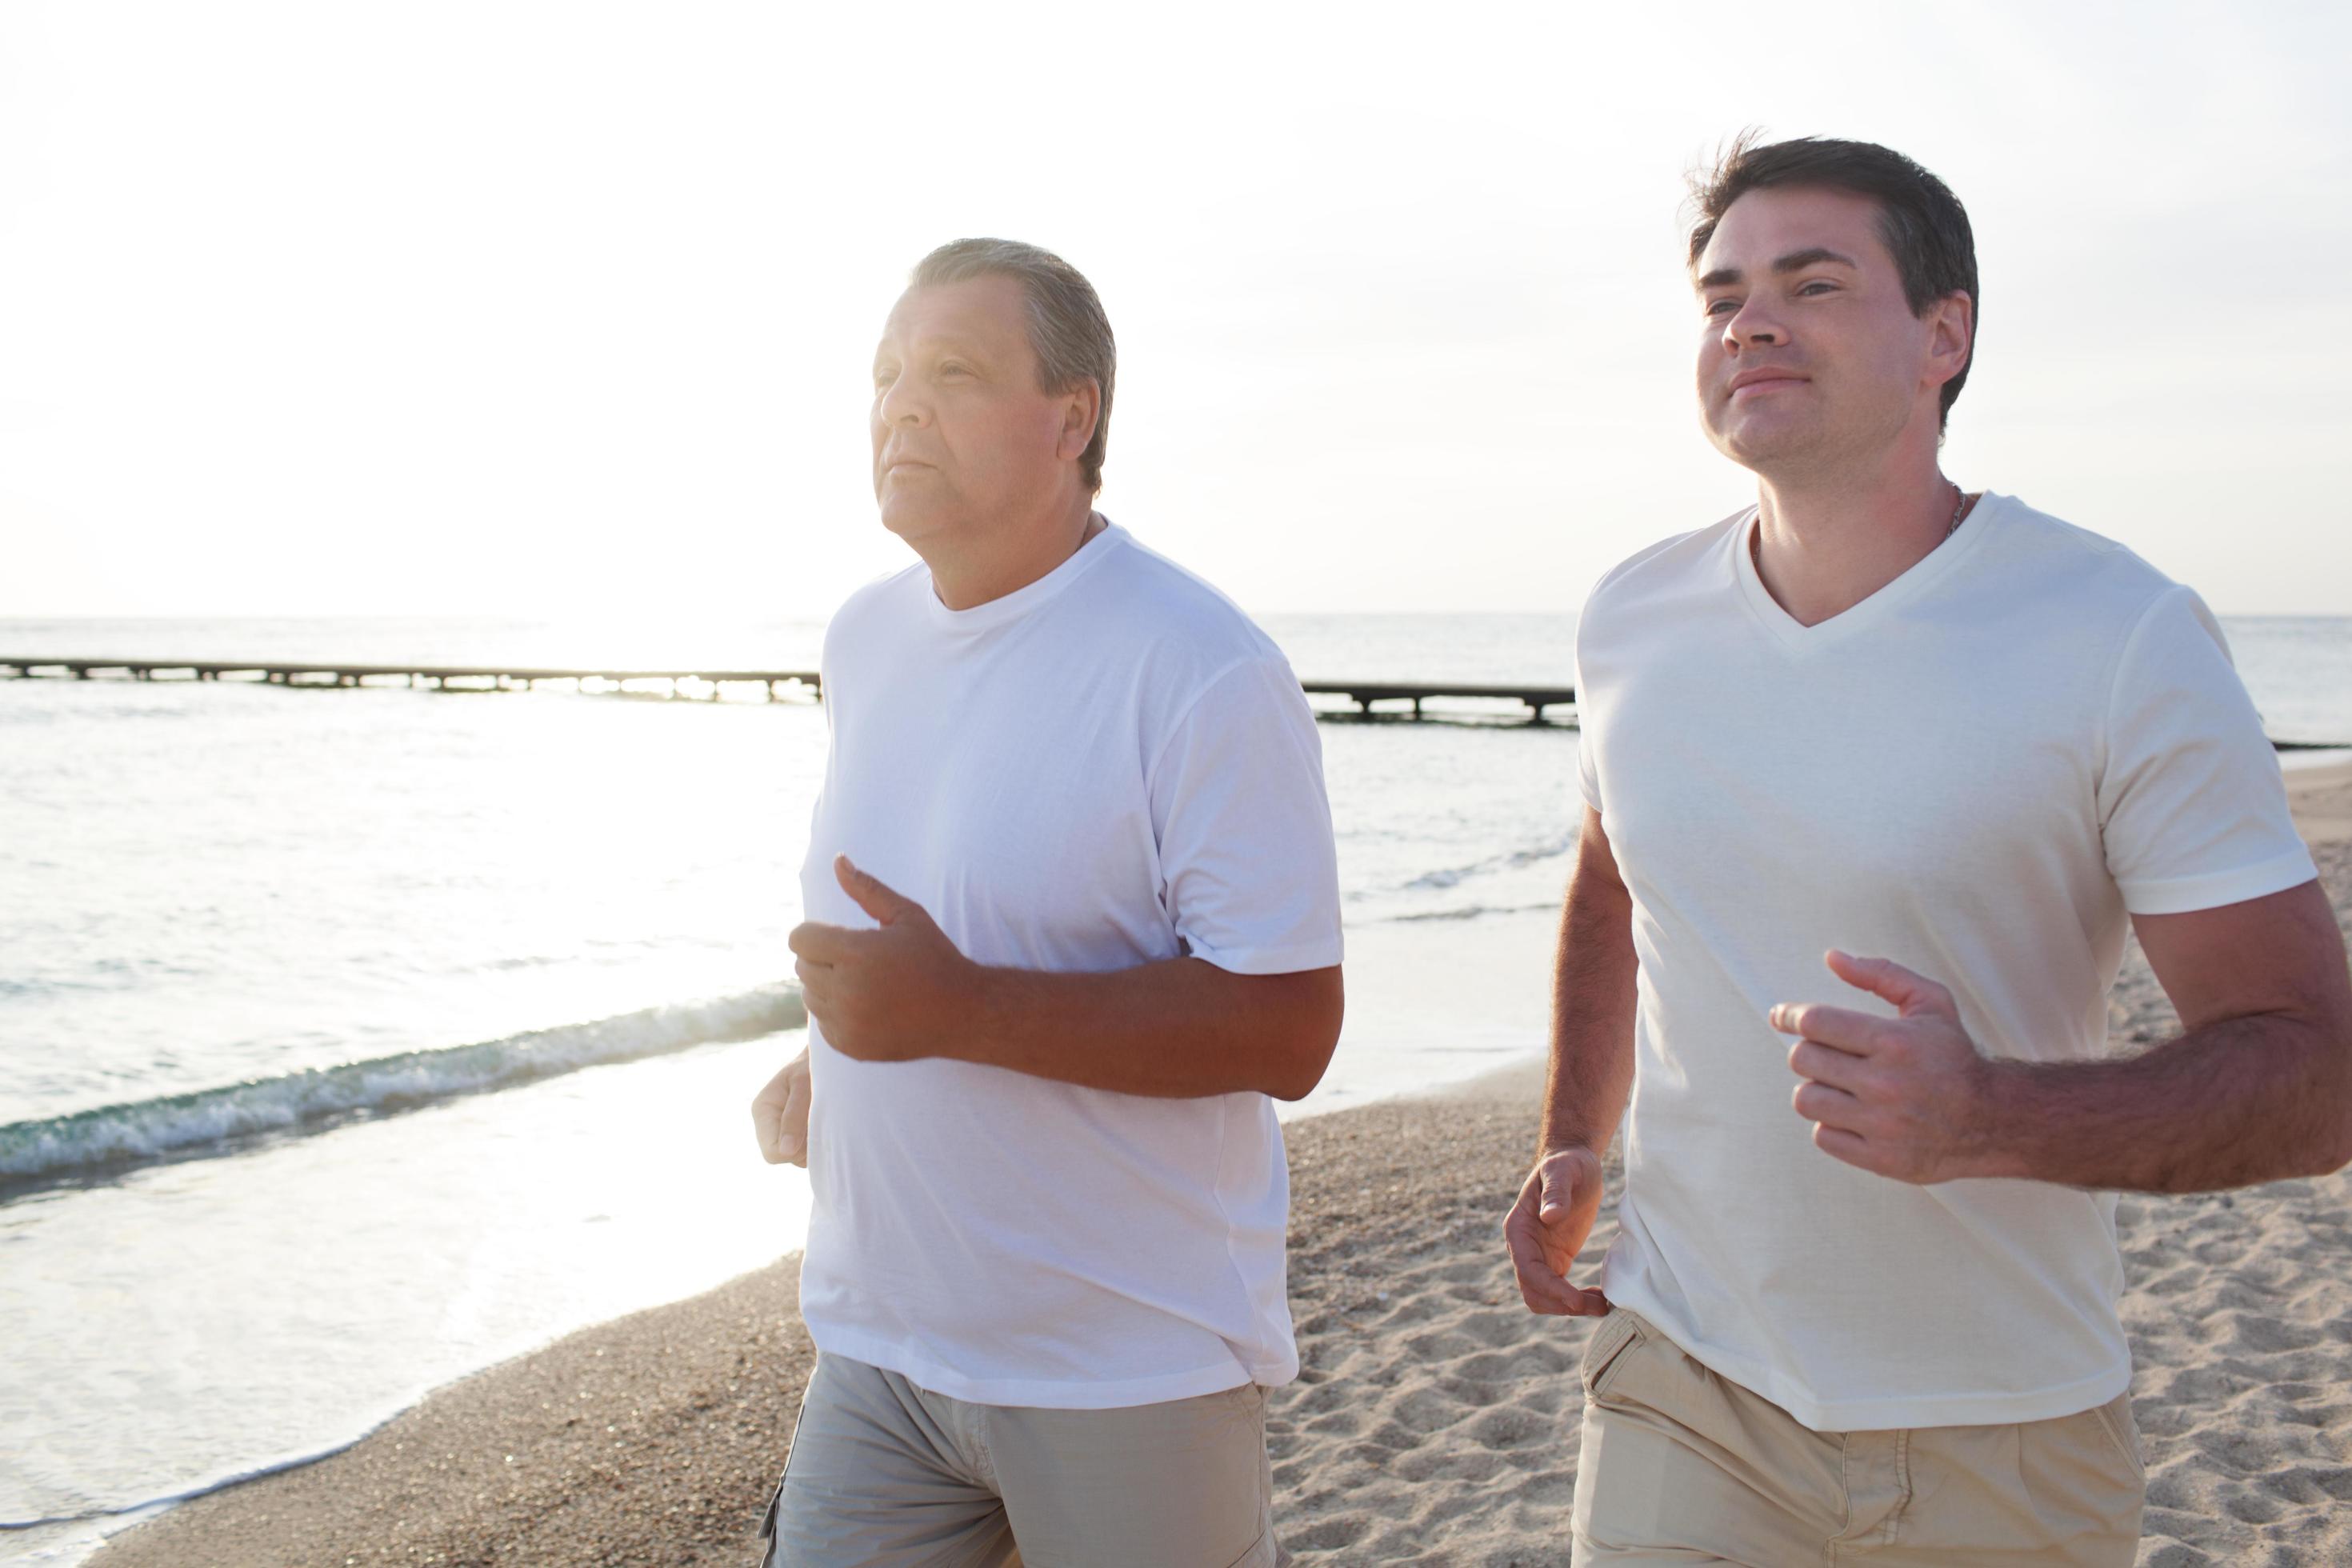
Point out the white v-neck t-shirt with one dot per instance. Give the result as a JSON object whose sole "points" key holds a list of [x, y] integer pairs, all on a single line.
{"points": [[1109, 767], [1980, 771]]}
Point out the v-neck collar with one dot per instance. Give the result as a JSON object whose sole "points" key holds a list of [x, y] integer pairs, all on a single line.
{"points": [[1920, 577]]}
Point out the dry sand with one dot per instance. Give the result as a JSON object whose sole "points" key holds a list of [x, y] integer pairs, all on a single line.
{"points": [[1434, 1422]]}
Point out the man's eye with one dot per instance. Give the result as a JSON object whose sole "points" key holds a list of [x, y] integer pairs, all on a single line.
{"points": [[1818, 286], [952, 369], [1717, 307], [882, 378]]}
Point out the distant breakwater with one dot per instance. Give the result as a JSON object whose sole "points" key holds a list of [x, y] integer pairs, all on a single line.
{"points": [[1535, 703], [1402, 699]]}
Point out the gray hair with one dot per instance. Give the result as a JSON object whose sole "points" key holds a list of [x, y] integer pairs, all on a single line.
{"points": [[1067, 329]]}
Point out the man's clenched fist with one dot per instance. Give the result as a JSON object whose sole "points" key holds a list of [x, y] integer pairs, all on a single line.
{"points": [[895, 994], [1907, 1097], [780, 1115]]}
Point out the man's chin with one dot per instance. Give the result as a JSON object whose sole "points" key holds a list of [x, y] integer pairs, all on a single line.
{"points": [[912, 522], [1760, 444]]}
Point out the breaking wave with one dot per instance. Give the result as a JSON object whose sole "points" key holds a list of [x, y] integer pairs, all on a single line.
{"points": [[179, 1125]]}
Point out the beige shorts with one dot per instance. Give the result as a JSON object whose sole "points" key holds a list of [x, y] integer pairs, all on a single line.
{"points": [[884, 1474], [1681, 1465]]}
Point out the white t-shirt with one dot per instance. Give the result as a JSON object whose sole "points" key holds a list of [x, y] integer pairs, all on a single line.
{"points": [[1109, 767], [1977, 771]]}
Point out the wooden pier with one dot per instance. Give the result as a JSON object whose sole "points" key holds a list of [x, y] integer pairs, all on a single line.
{"points": [[1402, 699], [1537, 700], [1399, 700], [429, 677]]}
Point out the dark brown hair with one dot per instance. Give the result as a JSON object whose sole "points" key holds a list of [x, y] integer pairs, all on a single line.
{"points": [[1067, 329], [1922, 224]]}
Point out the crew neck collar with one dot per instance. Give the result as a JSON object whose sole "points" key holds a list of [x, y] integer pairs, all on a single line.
{"points": [[1920, 577], [997, 612]]}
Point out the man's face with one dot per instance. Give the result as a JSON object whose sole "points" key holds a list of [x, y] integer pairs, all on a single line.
{"points": [[1809, 355], [964, 441]]}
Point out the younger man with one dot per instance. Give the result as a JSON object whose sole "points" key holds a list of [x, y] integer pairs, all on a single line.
{"points": [[1864, 1291]]}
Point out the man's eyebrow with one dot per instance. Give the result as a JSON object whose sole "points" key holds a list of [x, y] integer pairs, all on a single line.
{"points": [[936, 343], [1795, 262], [939, 339], [951, 342]]}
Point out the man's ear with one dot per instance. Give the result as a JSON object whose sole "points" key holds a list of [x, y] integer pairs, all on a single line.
{"points": [[1951, 335], [1079, 417]]}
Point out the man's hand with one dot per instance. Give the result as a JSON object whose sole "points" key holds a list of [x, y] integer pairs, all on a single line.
{"points": [[780, 1115], [1547, 1227], [894, 995], [1907, 1097]]}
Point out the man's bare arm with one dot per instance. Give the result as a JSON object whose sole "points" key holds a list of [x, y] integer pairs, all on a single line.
{"points": [[1176, 1028], [1592, 1000], [2258, 1086], [1179, 1029], [1591, 1076]]}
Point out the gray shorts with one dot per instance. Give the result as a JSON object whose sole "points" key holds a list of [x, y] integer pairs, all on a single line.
{"points": [[883, 1474]]}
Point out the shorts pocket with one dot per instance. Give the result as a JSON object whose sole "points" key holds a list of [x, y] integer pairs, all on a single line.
{"points": [[1250, 1397], [1263, 1552], [1619, 1333], [2115, 1419], [768, 1521], [791, 1446]]}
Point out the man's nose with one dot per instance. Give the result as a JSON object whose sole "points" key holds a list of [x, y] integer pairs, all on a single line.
{"points": [[1752, 326], [902, 403]]}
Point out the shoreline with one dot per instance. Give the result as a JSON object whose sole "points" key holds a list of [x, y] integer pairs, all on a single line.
{"points": [[1433, 1420]]}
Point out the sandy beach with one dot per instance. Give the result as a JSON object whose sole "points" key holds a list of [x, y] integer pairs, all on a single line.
{"points": [[1436, 1420]]}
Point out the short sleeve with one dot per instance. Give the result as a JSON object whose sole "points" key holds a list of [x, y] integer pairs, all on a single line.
{"points": [[2192, 810], [1251, 878]]}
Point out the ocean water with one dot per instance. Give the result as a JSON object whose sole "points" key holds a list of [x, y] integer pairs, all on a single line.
{"points": [[350, 1041]]}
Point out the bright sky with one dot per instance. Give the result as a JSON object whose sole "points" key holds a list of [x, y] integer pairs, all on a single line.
{"points": [[566, 310]]}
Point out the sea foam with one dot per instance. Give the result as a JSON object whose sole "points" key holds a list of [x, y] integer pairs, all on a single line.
{"points": [[183, 1124]]}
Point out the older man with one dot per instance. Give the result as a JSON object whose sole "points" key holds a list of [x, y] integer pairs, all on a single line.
{"points": [[1073, 918], [1864, 1289]]}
